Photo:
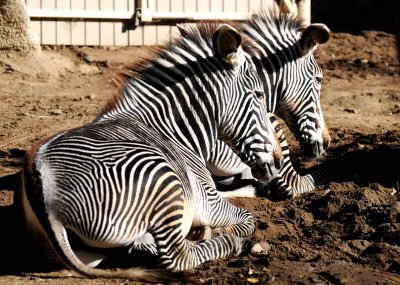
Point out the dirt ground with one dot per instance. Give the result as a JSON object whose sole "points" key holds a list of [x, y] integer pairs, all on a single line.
{"points": [[346, 232]]}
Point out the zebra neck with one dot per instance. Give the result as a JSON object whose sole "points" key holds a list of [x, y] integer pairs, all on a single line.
{"points": [[274, 48], [186, 113]]}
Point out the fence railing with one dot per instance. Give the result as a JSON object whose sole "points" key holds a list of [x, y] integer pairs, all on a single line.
{"points": [[127, 22]]}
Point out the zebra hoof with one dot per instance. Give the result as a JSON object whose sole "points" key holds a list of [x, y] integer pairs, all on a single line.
{"points": [[256, 248], [260, 248]]}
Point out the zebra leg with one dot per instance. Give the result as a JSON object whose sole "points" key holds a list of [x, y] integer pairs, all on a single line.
{"points": [[289, 183], [178, 253], [147, 244], [235, 221], [187, 254], [238, 222], [225, 220]]}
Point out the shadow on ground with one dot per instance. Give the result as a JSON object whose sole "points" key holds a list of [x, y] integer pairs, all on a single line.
{"points": [[368, 159]]}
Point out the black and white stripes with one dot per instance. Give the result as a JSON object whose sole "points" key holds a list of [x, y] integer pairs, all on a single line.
{"points": [[139, 168], [283, 54]]}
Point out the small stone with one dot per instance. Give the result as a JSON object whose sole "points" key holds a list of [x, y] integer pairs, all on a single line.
{"points": [[55, 112], [90, 97], [350, 110]]}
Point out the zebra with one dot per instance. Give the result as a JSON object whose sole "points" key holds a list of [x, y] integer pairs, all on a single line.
{"points": [[283, 55], [139, 168]]}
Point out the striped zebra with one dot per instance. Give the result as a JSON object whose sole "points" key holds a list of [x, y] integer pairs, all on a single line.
{"points": [[139, 169], [283, 55]]}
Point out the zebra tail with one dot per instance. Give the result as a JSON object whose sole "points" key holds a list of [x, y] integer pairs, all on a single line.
{"points": [[62, 246]]}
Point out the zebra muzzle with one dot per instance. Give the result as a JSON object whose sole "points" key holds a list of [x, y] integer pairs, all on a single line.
{"points": [[264, 172], [267, 163]]}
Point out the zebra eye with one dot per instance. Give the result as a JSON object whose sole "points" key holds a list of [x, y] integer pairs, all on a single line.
{"points": [[259, 94], [318, 79]]}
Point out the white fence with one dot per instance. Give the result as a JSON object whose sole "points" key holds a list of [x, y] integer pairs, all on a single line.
{"points": [[124, 22]]}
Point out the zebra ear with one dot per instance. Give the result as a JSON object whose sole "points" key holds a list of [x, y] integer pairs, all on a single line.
{"points": [[314, 34], [226, 42]]}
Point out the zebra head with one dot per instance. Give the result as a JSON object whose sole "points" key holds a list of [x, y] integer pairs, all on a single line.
{"points": [[283, 53], [245, 124], [301, 104]]}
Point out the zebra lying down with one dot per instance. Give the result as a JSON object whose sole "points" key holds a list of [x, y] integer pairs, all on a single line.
{"points": [[140, 167], [284, 56]]}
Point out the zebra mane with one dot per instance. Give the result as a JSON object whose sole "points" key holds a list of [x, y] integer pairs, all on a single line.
{"points": [[195, 45], [187, 50], [273, 29]]}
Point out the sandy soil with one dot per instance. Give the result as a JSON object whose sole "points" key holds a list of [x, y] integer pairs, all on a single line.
{"points": [[346, 232]]}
